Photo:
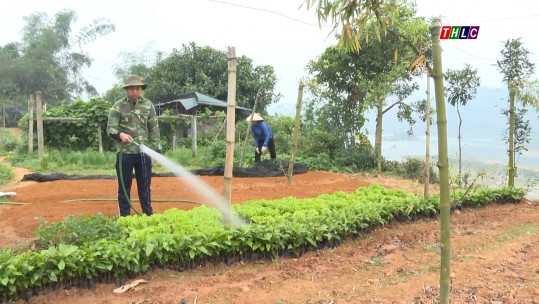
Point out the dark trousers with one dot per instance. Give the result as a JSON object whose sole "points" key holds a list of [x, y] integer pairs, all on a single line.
{"points": [[142, 164], [271, 148]]}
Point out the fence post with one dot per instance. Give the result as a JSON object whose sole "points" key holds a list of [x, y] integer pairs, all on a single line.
{"points": [[194, 135], [31, 104], [100, 139], [3, 114], [39, 112]]}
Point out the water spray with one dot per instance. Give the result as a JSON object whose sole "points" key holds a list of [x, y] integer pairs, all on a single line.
{"points": [[213, 198]]}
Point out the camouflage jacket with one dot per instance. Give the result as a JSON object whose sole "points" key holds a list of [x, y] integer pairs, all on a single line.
{"points": [[137, 119]]}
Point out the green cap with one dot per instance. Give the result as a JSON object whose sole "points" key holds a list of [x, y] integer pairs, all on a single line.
{"points": [[135, 80]]}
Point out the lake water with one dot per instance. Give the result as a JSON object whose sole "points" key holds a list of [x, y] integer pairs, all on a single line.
{"points": [[478, 155]]}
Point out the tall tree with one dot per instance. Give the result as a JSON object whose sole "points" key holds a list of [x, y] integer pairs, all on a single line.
{"points": [[136, 63], [204, 69], [50, 58], [10, 93], [516, 69], [462, 88], [378, 71]]}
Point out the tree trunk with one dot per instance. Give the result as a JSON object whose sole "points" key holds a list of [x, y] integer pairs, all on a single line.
{"points": [[443, 165], [296, 133], [427, 143], [378, 138], [511, 181], [460, 145], [230, 129]]}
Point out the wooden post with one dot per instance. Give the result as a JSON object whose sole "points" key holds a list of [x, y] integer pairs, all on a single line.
{"points": [[221, 128], [194, 135], [3, 110], [296, 134], [39, 112], [175, 139], [249, 125], [31, 104], [100, 139], [230, 128]]}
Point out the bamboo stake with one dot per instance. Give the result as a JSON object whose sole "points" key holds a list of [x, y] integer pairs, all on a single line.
{"points": [[443, 165], [296, 133], [249, 126], [231, 119]]}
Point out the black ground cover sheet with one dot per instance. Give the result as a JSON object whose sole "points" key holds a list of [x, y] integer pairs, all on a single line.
{"points": [[266, 168]]}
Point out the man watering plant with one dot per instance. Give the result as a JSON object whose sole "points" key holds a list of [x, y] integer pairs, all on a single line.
{"points": [[133, 121]]}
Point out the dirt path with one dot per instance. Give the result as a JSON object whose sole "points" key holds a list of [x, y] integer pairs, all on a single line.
{"points": [[495, 251]]}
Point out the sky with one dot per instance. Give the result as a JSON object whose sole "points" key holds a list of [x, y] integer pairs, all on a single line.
{"points": [[277, 33]]}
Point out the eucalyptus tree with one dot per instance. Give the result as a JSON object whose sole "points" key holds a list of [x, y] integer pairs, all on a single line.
{"points": [[516, 68], [50, 58], [462, 88], [204, 69]]}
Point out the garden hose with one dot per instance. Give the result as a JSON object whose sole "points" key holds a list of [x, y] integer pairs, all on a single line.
{"points": [[105, 199], [122, 179]]}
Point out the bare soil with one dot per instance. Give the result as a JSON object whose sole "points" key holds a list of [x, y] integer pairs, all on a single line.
{"points": [[495, 252]]}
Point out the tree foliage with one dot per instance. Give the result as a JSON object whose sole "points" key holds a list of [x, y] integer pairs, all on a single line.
{"points": [[354, 82], [516, 69], [49, 57], [349, 18], [462, 88], [76, 135], [462, 85], [204, 69]]}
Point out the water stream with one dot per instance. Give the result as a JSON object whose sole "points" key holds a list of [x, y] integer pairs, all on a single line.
{"points": [[213, 198]]}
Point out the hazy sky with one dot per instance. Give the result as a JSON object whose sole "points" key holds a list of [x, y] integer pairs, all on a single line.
{"points": [[276, 33]]}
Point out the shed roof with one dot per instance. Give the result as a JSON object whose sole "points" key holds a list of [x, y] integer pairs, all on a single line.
{"points": [[194, 99]]}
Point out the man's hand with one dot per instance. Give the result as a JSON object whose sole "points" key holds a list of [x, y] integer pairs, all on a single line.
{"points": [[257, 151], [125, 138], [264, 149]]}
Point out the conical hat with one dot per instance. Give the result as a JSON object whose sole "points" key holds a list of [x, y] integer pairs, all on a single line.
{"points": [[256, 117]]}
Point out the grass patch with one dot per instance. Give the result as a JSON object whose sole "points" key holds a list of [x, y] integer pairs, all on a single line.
{"points": [[516, 232], [376, 261], [6, 175], [92, 162], [507, 236], [69, 162]]}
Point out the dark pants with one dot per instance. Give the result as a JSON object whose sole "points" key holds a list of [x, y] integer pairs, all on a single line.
{"points": [[142, 164], [271, 148]]}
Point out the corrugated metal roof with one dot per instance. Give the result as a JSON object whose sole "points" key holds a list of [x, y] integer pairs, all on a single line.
{"points": [[193, 99]]}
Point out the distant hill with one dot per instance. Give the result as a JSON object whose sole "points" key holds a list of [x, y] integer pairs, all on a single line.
{"points": [[483, 127]]}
